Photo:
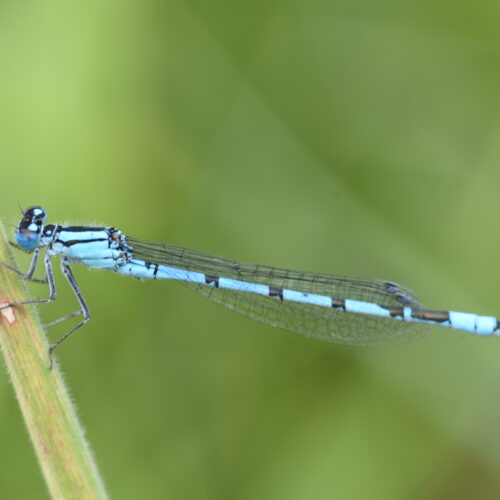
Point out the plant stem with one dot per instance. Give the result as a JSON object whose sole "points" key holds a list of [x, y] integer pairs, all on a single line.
{"points": [[62, 451]]}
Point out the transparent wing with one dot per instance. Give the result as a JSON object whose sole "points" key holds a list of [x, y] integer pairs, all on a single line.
{"points": [[311, 320]]}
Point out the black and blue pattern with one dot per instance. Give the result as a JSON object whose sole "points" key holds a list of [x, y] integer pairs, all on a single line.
{"points": [[341, 309]]}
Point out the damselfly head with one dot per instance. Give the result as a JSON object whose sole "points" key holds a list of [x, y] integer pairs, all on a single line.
{"points": [[29, 230]]}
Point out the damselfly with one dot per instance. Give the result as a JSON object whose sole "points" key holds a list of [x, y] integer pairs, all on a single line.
{"points": [[343, 309]]}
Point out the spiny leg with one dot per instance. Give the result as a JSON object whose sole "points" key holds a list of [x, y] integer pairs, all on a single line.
{"points": [[64, 318], [49, 279], [84, 310], [29, 275]]}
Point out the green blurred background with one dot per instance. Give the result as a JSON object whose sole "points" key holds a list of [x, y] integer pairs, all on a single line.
{"points": [[351, 137]]}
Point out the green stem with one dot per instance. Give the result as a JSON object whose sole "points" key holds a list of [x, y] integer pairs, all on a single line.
{"points": [[63, 453]]}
